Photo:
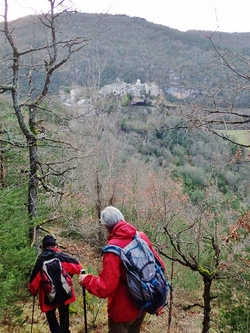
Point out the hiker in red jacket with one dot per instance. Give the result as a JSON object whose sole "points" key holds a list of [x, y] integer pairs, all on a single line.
{"points": [[123, 315], [72, 266]]}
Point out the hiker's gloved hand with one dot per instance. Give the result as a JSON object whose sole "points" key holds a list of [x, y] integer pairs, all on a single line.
{"points": [[81, 278]]}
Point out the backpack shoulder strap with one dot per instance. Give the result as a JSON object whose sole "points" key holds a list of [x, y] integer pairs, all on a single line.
{"points": [[112, 249]]}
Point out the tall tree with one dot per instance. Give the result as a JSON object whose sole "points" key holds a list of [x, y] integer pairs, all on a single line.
{"points": [[20, 69]]}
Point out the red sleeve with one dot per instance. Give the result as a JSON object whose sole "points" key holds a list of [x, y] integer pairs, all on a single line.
{"points": [[72, 268], [108, 279], [71, 264], [35, 279], [35, 285]]}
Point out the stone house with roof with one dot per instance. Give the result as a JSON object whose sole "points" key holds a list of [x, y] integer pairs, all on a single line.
{"points": [[140, 93]]}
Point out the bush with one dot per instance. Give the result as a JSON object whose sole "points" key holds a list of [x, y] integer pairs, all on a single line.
{"points": [[16, 256]]}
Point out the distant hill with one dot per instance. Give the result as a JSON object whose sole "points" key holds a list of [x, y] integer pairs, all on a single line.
{"points": [[183, 64]]}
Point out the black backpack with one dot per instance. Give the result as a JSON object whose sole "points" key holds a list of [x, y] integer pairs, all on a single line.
{"points": [[56, 281], [145, 277]]}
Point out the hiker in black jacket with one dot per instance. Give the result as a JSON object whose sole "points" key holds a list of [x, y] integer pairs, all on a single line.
{"points": [[72, 266]]}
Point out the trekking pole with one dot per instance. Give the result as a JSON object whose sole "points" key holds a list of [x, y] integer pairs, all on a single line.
{"points": [[32, 317], [84, 304]]}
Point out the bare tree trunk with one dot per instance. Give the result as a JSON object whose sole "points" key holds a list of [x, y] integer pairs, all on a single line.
{"points": [[207, 306], [32, 188], [98, 204], [171, 299], [2, 175], [98, 195]]}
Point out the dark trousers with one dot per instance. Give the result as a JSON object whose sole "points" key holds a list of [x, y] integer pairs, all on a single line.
{"points": [[132, 326], [54, 326]]}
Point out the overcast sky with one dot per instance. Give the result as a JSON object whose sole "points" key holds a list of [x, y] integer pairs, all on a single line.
{"points": [[221, 15]]}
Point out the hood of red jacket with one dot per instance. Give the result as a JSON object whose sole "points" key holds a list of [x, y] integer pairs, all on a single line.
{"points": [[122, 234]]}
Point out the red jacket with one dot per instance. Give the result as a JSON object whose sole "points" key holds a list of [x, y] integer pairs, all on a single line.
{"points": [[111, 280], [71, 265]]}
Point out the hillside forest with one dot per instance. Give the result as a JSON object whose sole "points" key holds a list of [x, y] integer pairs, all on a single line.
{"points": [[176, 164]]}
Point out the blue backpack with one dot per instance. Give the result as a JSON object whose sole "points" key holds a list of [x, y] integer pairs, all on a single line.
{"points": [[146, 281]]}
